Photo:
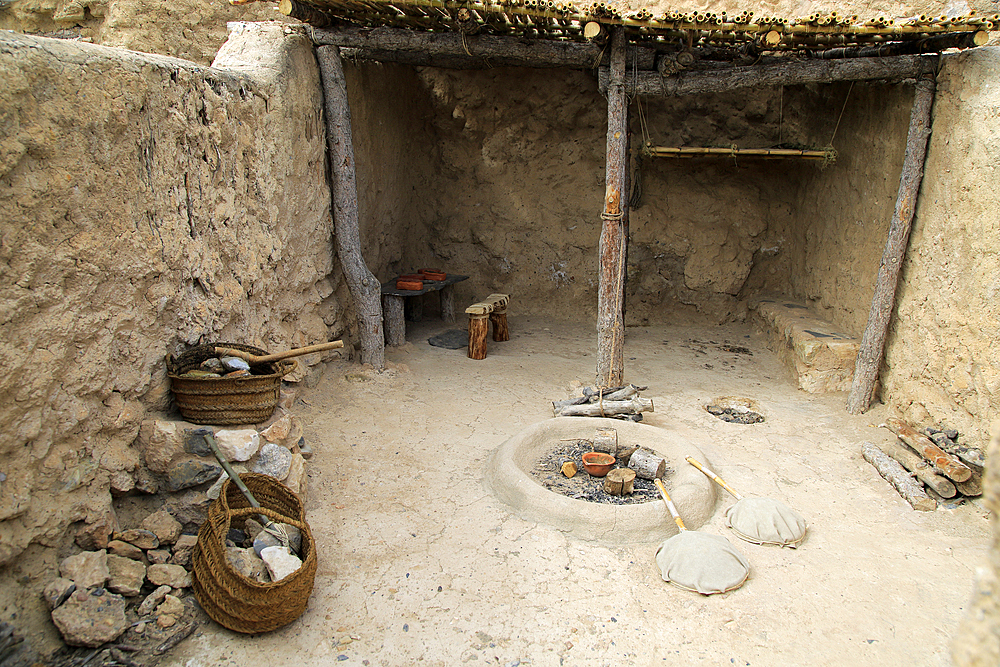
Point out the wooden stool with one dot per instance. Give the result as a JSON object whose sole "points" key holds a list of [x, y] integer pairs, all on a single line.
{"points": [[493, 307]]}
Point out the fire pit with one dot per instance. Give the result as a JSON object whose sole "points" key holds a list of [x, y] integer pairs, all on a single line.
{"points": [[509, 476]]}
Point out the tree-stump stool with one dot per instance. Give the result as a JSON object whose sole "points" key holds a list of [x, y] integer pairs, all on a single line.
{"points": [[480, 314]]}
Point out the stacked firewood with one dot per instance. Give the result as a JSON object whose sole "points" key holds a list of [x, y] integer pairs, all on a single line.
{"points": [[927, 466], [618, 402]]}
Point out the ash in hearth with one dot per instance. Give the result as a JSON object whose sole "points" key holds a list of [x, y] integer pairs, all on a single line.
{"points": [[582, 486]]}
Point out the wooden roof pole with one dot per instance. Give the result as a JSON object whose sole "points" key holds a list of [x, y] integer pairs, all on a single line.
{"points": [[614, 230], [872, 347], [365, 289]]}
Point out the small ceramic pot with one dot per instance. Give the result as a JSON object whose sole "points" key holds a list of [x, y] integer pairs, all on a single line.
{"points": [[598, 463]]}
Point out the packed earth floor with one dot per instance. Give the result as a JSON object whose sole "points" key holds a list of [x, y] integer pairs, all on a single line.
{"points": [[420, 564]]}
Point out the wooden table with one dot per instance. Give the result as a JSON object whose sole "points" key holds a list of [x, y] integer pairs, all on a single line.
{"points": [[393, 305]]}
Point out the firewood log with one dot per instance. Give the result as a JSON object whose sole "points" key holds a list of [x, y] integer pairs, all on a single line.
{"points": [[923, 445], [911, 491], [608, 408], [918, 466], [647, 464]]}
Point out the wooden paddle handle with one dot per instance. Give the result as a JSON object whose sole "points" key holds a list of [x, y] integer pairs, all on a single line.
{"points": [[718, 479], [278, 356], [670, 504]]}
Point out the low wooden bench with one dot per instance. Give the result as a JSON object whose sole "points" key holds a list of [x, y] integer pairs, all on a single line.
{"points": [[493, 307], [393, 302]]}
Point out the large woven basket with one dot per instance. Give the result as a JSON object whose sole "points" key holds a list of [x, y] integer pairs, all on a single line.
{"points": [[225, 401], [227, 596]]}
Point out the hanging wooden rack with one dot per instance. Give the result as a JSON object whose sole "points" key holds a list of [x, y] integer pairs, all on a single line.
{"points": [[827, 155]]}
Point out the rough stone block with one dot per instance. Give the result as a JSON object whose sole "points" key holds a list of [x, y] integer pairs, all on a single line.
{"points": [[86, 569], [124, 549], [821, 357], [58, 591], [238, 444], [274, 460], [174, 576], [139, 537], [91, 620], [126, 575], [297, 481], [166, 528], [190, 507], [191, 472], [162, 440], [95, 535]]}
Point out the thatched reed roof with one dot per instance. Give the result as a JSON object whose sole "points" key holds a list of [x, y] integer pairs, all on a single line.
{"points": [[567, 22]]}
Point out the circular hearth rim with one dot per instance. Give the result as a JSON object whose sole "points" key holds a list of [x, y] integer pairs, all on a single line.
{"points": [[508, 477]]}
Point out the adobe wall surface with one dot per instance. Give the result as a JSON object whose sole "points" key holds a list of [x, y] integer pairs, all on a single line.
{"points": [[146, 204]]}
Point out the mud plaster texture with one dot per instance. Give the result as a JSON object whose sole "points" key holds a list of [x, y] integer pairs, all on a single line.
{"points": [[147, 204], [420, 564]]}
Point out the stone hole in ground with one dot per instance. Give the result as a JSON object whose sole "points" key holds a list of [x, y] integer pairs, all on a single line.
{"points": [[582, 486], [735, 410]]}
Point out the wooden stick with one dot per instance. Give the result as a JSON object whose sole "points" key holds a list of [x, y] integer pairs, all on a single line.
{"points": [[614, 230], [791, 73], [670, 505], [364, 288], [933, 44], [254, 359], [923, 445], [872, 347], [607, 408], [305, 13], [395, 321], [718, 480], [892, 472], [697, 151], [924, 471]]}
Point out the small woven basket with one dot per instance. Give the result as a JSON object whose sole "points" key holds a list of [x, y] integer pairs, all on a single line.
{"points": [[225, 401], [227, 596]]}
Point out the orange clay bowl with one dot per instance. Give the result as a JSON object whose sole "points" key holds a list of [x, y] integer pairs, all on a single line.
{"points": [[598, 463], [412, 285]]}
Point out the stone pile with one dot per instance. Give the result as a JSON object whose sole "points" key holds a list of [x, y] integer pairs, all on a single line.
{"points": [[217, 367], [139, 579]]}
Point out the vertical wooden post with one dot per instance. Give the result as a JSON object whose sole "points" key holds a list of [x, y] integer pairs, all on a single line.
{"points": [[365, 289], [478, 327], [872, 347], [395, 325], [498, 318], [614, 231]]}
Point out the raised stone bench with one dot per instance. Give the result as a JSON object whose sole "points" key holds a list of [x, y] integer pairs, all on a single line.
{"points": [[821, 357]]}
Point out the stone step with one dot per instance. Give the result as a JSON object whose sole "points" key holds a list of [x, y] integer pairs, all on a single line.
{"points": [[821, 356]]}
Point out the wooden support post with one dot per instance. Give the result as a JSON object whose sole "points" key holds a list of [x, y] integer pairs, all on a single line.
{"points": [[478, 326], [395, 324], [614, 231], [365, 289], [448, 303], [501, 331], [872, 346]]}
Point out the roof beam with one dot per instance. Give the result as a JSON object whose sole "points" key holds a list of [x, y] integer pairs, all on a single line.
{"points": [[454, 50], [791, 73]]}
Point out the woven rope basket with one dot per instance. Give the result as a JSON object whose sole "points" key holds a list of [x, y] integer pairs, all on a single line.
{"points": [[227, 596], [225, 401]]}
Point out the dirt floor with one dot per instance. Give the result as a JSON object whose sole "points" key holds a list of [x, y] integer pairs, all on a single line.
{"points": [[420, 564]]}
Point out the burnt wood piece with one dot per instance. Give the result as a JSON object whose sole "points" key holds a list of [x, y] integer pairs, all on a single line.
{"points": [[932, 44], [790, 73], [365, 289], [872, 348], [614, 230], [895, 474], [473, 52], [945, 462], [923, 470]]}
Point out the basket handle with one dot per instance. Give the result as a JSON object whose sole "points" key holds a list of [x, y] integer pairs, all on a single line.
{"points": [[248, 511]]}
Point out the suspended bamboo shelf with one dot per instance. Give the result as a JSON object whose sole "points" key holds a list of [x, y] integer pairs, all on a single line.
{"points": [[827, 155]]}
